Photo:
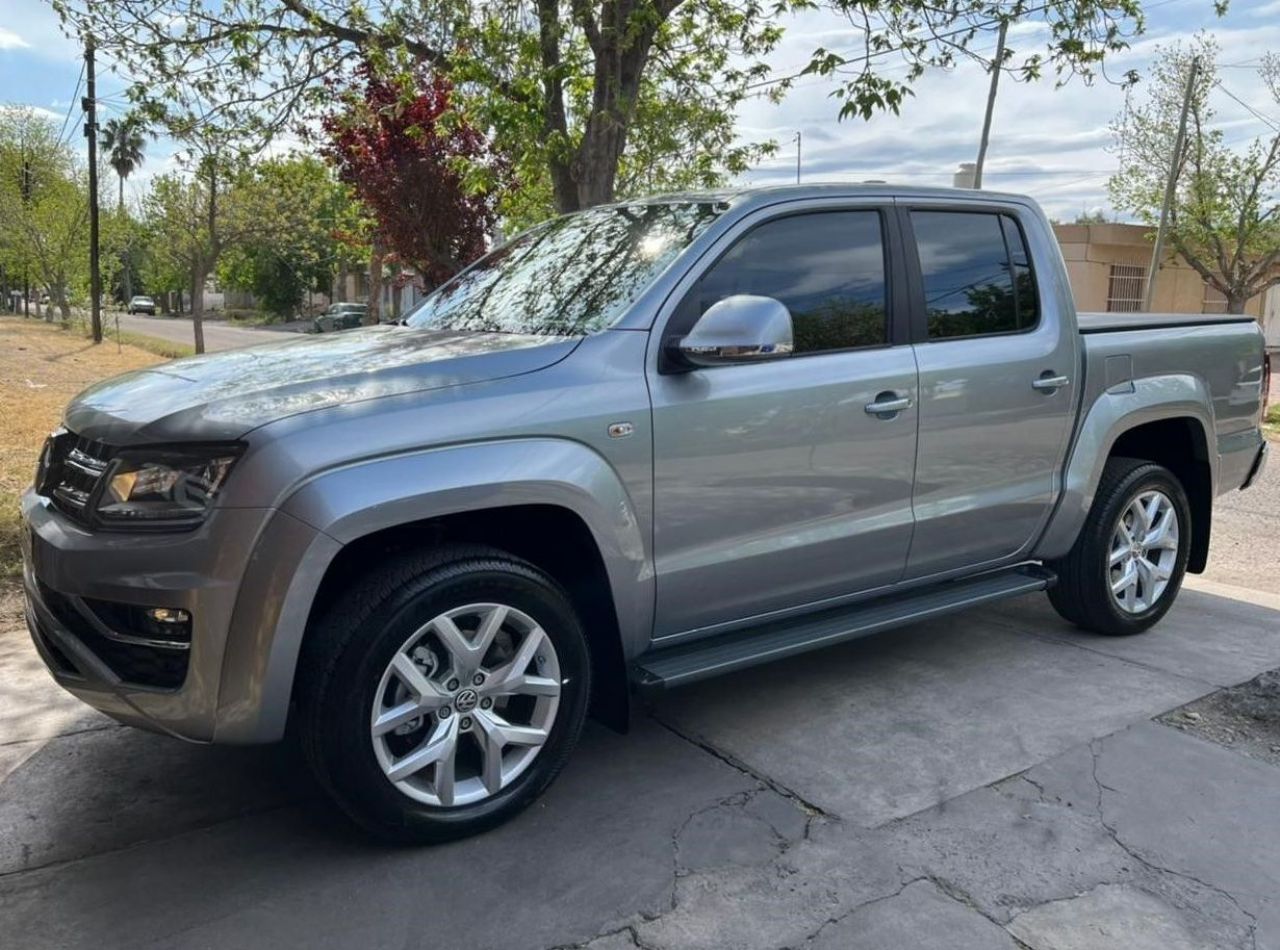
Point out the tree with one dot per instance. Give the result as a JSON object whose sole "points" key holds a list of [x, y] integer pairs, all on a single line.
{"points": [[1225, 217], [122, 141], [191, 227], [393, 147], [43, 205], [584, 96], [309, 213]]}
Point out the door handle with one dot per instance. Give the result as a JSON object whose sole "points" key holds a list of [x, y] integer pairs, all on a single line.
{"points": [[1048, 384], [888, 404]]}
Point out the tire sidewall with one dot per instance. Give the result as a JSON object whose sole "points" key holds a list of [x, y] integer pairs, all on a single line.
{"points": [[359, 782], [1148, 477]]}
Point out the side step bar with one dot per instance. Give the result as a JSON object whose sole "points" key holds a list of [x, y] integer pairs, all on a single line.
{"points": [[739, 649]]}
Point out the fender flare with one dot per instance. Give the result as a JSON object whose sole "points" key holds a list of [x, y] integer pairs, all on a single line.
{"points": [[338, 506], [1115, 412]]}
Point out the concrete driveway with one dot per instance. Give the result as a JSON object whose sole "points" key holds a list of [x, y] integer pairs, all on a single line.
{"points": [[993, 780]]}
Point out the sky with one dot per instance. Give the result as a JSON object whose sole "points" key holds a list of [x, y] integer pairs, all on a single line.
{"points": [[1051, 143]]}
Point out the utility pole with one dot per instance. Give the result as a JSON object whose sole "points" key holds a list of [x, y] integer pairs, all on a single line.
{"points": [[997, 65], [1171, 184], [798, 140], [90, 105]]}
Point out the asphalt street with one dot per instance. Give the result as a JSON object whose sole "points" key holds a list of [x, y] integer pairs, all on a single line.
{"points": [[991, 780], [218, 335]]}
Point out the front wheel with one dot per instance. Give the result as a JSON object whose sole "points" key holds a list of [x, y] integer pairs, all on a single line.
{"points": [[444, 693], [1126, 567]]}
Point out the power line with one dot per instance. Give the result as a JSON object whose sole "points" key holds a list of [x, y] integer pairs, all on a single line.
{"points": [[75, 96], [1252, 111]]}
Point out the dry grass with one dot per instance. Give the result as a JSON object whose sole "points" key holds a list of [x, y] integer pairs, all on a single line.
{"points": [[41, 368]]}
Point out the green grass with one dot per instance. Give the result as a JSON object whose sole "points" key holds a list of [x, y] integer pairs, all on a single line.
{"points": [[165, 348]]}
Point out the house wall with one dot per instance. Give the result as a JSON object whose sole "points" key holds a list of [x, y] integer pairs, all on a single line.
{"points": [[1090, 249]]}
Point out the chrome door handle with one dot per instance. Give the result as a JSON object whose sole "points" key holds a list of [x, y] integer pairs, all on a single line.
{"points": [[1049, 383], [887, 404]]}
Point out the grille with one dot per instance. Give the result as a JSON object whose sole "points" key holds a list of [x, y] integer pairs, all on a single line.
{"points": [[70, 471]]}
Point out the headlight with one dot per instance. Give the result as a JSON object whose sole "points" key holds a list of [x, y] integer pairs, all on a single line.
{"points": [[164, 487]]}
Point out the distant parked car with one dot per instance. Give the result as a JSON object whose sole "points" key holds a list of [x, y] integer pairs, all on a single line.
{"points": [[142, 305], [341, 316]]}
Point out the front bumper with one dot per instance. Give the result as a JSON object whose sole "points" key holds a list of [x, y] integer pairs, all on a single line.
{"points": [[201, 571]]}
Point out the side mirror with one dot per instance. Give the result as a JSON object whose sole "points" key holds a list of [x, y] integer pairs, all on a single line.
{"points": [[739, 329]]}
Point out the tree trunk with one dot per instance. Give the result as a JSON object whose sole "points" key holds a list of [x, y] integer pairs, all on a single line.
{"points": [[376, 254], [59, 296], [621, 54], [197, 308], [1236, 303]]}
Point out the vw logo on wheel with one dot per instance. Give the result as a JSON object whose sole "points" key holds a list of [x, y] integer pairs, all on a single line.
{"points": [[466, 700]]}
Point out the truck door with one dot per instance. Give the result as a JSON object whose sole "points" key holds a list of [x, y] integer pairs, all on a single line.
{"points": [[774, 484], [998, 366]]}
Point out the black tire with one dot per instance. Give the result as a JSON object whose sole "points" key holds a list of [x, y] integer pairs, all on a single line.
{"points": [[347, 651], [1083, 592]]}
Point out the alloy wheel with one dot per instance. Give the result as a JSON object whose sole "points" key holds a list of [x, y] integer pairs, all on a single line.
{"points": [[466, 704], [1143, 551]]}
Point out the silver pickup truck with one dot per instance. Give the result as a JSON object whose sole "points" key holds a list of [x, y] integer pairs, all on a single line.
{"points": [[630, 448]]}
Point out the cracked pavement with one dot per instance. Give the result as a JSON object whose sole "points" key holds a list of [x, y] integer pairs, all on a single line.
{"points": [[991, 780]]}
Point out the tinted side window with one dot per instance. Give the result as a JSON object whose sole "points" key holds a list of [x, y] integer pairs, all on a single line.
{"points": [[976, 273], [827, 268]]}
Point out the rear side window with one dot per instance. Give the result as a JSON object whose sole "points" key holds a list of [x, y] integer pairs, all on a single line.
{"points": [[827, 267], [976, 274]]}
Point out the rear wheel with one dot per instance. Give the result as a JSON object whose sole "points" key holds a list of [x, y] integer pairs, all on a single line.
{"points": [[1126, 567], [443, 694]]}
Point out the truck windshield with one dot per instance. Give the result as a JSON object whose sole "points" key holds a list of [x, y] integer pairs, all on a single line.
{"points": [[569, 277]]}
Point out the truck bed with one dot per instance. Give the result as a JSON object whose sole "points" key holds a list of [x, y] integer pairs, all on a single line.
{"points": [[1118, 322]]}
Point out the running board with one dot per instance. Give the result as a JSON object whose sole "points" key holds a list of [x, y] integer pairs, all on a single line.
{"points": [[739, 649]]}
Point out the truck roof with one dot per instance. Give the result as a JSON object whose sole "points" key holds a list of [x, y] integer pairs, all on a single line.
{"points": [[771, 193]]}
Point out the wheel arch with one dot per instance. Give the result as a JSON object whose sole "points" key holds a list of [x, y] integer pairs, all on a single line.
{"points": [[1166, 442], [545, 500], [553, 538], [1165, 419]]}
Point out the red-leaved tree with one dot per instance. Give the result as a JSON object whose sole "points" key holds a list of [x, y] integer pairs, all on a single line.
{"points": [[407, 166]]}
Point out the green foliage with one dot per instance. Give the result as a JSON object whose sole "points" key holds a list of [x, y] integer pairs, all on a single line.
{"points": [[289, 217], [43, 208], [588, 99], [1225, 217]]}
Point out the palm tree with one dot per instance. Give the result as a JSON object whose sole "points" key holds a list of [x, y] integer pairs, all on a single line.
{"points": [[122, 141]]}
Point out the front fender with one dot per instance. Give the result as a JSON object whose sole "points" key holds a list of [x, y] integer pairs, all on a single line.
{"points": [[1116, 411], [352, 501]]}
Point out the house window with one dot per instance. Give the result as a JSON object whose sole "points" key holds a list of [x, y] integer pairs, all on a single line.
{"points": [[1126, 288], [1215, 301]]}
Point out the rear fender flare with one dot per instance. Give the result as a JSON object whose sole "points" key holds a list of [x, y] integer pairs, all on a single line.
{"points": [[1115, 412]]}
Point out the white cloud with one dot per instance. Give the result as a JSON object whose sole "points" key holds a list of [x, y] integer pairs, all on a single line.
{"points": [[1051, 143], [11, 40]]}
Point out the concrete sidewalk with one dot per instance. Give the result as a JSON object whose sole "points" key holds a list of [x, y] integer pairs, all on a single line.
{"points": [[993, 780]]}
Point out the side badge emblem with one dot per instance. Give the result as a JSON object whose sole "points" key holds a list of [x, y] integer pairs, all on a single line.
{"points": [[620, 430]]}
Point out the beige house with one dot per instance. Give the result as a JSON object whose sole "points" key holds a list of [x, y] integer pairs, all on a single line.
{"points": [[1107, 265]]}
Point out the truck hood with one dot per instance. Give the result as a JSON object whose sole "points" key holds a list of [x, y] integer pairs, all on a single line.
{"points": [[224, 395]]}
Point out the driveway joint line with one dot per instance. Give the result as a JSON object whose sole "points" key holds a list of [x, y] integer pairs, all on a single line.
{"points": [[1066, 642], [1095, 750], [812, 811]]}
